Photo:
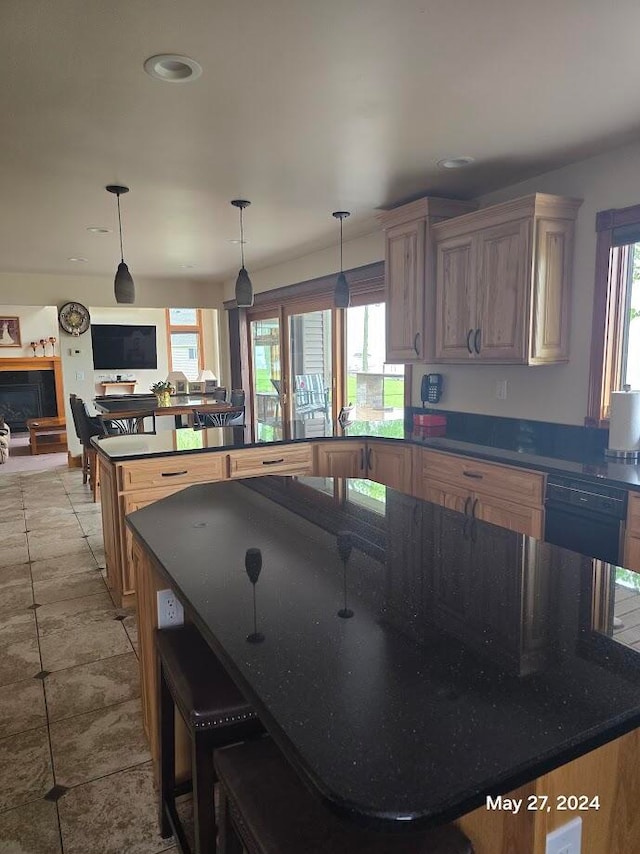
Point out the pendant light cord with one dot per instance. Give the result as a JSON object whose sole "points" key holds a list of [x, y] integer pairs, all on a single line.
{"points": [[120, 229], [341, 218], [241, 238]]}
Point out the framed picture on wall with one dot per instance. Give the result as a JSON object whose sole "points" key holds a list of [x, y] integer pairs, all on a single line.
{"points": [[10, 332]]}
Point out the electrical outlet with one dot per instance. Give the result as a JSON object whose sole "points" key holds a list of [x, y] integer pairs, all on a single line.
{"points": [[501, 390], [566, 839], [80, 376], [170, 611]]}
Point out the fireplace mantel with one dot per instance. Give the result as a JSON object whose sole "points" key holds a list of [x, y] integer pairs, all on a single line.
{"points": [[39, 363]]}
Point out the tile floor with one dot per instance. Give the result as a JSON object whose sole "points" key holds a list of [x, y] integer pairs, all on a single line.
{"points": [[75, 772]]}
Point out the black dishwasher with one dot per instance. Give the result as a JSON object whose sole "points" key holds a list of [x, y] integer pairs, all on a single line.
{"points": [[585, 517]]}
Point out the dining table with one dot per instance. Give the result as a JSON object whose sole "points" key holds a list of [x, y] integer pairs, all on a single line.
{"points": [[181, 405]]}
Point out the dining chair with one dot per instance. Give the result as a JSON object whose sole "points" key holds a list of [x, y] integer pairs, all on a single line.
{"points": [[127, 423], [237, 397], [226, 418], [219, 393], [86, 426]]}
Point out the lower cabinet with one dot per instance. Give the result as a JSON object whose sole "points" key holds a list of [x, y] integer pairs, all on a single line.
{"points": [[632, 538], [340, 458], [503, 495], [389, 463]]}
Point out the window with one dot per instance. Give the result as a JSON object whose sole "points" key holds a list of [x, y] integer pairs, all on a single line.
{"points": [[184, 334]]}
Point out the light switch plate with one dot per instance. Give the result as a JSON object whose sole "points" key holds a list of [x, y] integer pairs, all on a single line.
{"points": [[566, 839]]}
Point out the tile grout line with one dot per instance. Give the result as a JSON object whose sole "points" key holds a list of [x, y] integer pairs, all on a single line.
{"points": [[44, 695]]}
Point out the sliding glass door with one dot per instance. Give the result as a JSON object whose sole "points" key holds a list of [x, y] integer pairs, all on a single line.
{"points": [[266, 379], [309, 405], [374, 388]]}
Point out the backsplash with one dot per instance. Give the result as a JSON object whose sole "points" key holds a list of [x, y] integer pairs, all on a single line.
{"points": [[544, 438]]}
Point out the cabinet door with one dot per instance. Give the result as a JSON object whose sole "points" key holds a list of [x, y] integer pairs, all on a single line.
{"points": [[339, 459], [404, 281], [552, 291], [503, 277], [390, 463], [506, 514], [632, 553], [446, 495], [455, 299]]}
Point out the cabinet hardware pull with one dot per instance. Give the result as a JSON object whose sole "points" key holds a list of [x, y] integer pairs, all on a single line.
{"points": [[369, 458], [173, 473], [361, 459], [469, 334], [476, 341], [272, 462], [466, 505], [416, 341], [474, 474], [473, 507]]}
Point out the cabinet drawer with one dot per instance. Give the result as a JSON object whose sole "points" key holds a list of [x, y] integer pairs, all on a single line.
{"points": [[145, 474], [514, 484], [633, 514], [255, 462]]}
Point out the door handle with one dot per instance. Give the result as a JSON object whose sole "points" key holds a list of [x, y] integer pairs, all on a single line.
{"points": [[272, 462], [476, 341], [361, 459], [173, 473], [369, 458], [474, 474], [473, 508], [466, 505], [469, 334], [416, 343]]}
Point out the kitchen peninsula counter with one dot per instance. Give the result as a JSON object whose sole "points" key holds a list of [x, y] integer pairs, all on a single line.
{"points": [[187, 441], [478, 661]]}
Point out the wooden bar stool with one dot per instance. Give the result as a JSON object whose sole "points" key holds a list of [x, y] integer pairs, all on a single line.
{"points": [[215, 714], [266, 809]]}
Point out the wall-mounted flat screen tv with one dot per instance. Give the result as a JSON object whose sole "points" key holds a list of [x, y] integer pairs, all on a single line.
{"points": [[118, 347]]}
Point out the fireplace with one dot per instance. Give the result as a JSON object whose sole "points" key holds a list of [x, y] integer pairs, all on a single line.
{"points": [[30, 388]]}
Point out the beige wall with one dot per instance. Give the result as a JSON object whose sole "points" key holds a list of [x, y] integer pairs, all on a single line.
{"points": [[44, 289], [36, 322], [555, 393]]}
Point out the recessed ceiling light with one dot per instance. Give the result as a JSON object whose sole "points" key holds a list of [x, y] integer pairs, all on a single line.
{"points": [[98, 229], [236, 241], [186, 266], [455, 162], [79, 260], [172, 68]]}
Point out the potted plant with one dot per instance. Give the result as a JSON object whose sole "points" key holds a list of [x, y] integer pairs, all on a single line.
{"points": [[163, 391]]}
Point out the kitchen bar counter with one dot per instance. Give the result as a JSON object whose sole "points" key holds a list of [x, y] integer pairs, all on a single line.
{"points": [[188, 441], [476, 661]]}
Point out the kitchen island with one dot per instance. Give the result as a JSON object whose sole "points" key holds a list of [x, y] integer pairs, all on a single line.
{"points": [[478, 662]]}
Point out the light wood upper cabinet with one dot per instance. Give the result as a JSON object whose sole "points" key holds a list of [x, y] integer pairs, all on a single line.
{"points": [[456, 307], [503, 282], [409, 275]]}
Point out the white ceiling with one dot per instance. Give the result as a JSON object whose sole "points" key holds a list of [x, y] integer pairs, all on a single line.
{"points": [[303, 107]]}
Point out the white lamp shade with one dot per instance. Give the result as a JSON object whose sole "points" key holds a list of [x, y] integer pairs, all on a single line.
{"points": [[206, 375], [179, 381]]}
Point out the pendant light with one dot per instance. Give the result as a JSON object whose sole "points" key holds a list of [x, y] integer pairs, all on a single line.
{"points": [[123, 283], [244, 288], [341, 295]]}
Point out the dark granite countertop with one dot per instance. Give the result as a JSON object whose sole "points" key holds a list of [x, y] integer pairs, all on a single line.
{"points": [[189, 441], [470, 665]]}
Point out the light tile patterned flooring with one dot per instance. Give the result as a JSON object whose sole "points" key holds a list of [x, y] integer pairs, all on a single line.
{"points": [[75, 772]]}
